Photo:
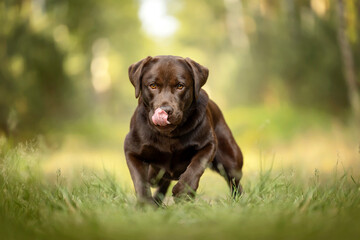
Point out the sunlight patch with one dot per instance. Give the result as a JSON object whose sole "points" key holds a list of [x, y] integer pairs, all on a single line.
{"points": [[155, 20]]}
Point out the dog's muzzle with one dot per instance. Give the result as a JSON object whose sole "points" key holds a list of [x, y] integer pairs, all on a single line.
{"points": [[160, 117]]}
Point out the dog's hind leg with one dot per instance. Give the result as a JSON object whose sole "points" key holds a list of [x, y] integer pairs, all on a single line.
{"points": [[230, 167]]}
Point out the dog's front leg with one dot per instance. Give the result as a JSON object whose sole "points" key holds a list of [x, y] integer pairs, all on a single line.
{"points": [[139, 174], [189, 180]]}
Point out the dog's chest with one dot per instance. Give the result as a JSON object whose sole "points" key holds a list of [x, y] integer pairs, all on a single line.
{"points": [[171, 157]]}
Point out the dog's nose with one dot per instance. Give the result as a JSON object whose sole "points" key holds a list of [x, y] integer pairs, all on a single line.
{"points": [[169, 110]]}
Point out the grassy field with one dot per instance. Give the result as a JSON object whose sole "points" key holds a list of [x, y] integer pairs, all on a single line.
{"points": [[304, 185]]}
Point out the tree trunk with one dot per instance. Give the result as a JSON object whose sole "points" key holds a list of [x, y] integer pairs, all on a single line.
{"points": [[348, 62], [235, 24]]}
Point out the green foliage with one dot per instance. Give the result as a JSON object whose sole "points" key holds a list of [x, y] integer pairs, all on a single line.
{"points": [[46, 49], [93, 206], [34, 86], [62, 61], [292, 54], [273, 124]]}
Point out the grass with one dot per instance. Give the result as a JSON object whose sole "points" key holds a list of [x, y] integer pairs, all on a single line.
{"points": [[95, 204]]}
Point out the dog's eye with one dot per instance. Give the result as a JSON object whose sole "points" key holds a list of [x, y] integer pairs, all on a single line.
{"points": [[180, 86], [153, 85]]}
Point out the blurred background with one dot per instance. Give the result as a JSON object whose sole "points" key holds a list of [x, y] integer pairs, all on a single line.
{"points": [[285, 73]]}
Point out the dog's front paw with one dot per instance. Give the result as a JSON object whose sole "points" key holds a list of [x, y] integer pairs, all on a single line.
{"points": [[183, 190]]}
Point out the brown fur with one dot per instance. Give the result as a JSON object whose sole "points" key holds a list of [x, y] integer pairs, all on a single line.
{"points": [[197, 137]]}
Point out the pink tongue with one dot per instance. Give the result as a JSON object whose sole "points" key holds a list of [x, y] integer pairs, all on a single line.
{"points": [[160, 117]]}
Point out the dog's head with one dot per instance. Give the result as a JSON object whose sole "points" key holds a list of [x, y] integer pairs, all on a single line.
{"points": [[168, 85]]}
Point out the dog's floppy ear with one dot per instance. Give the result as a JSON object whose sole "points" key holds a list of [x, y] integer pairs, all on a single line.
{"points": [[135, 74], [200, 75]]}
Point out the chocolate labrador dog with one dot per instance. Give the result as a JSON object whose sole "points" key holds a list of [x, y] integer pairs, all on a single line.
{"points": [[176, 130]]}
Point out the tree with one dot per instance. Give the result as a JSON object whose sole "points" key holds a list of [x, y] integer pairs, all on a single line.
{"points": [[348, 62]]}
